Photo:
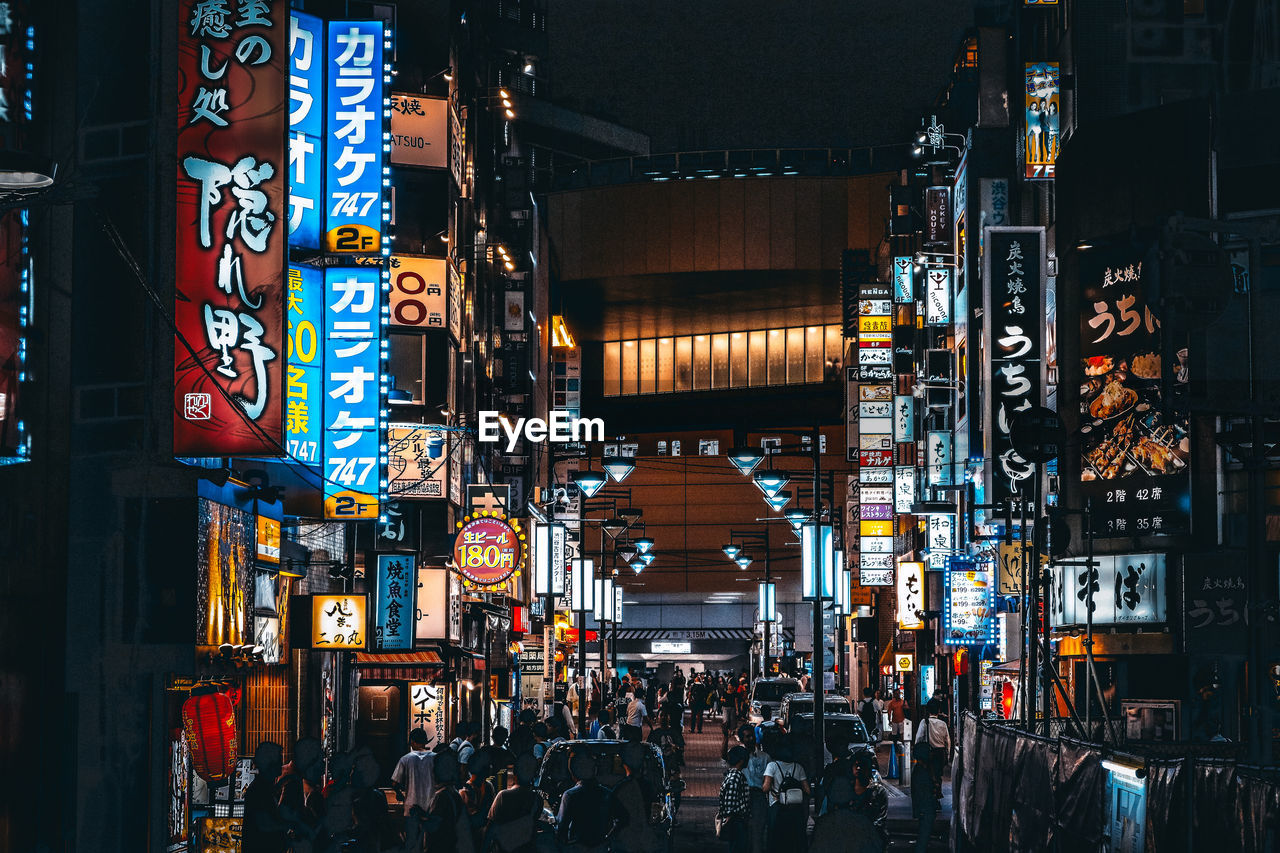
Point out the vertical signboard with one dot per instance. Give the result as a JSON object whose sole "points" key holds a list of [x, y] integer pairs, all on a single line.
{"points": [[353, 388], [904, 418], [1014, 266], [910, 596], [937, 218], [394, 616], [904, 488], [306, 128], [426, 711], [941, 533], [15, 296], [230, 259], [969, 612], [903, 290], [1135, 462], [304, 373], [1042, 119], [417, 292], [431, 604], [937, 296], [938, 458], [354, 138]]}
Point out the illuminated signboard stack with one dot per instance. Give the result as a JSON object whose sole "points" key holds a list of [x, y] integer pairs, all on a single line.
{"points": [[875, 435]]}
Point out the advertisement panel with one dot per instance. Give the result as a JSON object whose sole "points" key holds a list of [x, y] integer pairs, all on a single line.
{"points": [[910, 596], [417, 292], [1041, 151], [14, 298], [904, 418], [431, 604], [306, 128], [426, 711], [1135, 462], [1014, 336], [1128, 589], [354, 207], [304, 372], [230, 252], [353, 392], [419, 130], [938, 458], [393, 615], [941, 530], [417, 460], [937, 218], [338, 621], [487, 551], [903, 290], [969, 612], [937, 296]]}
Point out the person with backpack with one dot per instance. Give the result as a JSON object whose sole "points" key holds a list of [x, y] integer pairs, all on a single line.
{"points": [[588, 816], [513, 817], [448, 828], [787, 789], [933, 743], [464, 745], [869, 715], [758, 813]]}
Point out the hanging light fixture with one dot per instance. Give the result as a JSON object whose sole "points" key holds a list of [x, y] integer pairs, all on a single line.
{"points": [[209, 724], [778, 501], [746, 459], [584, 585], [643, 545], [743, 560], [816, 560], [619, 467], [731, 550], [637, 566], [613, 526], [797, 517], [646, 558], [771, 482], [627, 553], [590, 482]]}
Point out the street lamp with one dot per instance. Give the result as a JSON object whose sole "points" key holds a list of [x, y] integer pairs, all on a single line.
{"points": [[771, 482], [746, 459], [796, 517], [817, 561], [619, 467], [590, 482], [731, 550], [643, 545], [646, 558], [584, 601], [743, 560], [778, 501]]}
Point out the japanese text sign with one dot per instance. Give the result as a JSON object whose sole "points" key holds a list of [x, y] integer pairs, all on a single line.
{"points": [[970, 609], [338, 621], [418, 460], [1014, 332], [355, 138], [230, 258], [304, 370], [910, 596], [1127, 589], [418, 292], [353, 392], [306, 128], [431, 607], [937, 223], [393, 625], [488, 550], [419, 128], [1135, 461], [426, 711]]}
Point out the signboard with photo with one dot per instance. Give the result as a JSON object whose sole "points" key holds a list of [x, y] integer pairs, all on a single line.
{"points": [[970, 611], [1042, 119], [1135, 462]]}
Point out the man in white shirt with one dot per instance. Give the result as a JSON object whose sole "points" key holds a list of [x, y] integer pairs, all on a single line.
{"points": [[934, 731], [637, 713], [414, 778]]}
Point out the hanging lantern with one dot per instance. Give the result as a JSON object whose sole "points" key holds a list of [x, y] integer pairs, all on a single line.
{"points": [[209, 723], [960, 662], [1006, 700]]}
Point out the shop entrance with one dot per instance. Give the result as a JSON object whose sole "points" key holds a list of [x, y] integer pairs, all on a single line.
{"points": [[382, 724]]}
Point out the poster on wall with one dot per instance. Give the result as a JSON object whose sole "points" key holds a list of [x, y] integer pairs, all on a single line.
{"points": [[417, 460], [969, 612], [1135, 462], [232, 178], [1014, 265], [1041, 141]]}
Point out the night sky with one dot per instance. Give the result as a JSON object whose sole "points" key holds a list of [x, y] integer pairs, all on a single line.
{"points": [[755, 73]]}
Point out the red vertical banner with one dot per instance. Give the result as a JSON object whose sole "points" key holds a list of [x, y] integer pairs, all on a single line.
{"points": [[232, 227], [13, 298]]}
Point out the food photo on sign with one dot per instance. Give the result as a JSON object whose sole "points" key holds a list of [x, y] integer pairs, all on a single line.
{"points": [[1135, 457]]}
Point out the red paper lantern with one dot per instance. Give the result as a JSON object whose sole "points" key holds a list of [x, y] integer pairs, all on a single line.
{"points": [[960, 662], [209, 723], [1006, 700]]}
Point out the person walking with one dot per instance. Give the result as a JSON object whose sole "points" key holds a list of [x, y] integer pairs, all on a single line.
{"points": [[935, 732], [263, 831], [697, 703], [924, 803], [588, 817], [898, 712], [513, 817], [758, 813], [448, 829], [735, 802], [787, 789], [414, 780]]}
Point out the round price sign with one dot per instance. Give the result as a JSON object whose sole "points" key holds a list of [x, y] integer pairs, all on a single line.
{"points": [[488, 550]]}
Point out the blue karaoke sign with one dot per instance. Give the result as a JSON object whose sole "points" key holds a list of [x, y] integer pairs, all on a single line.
{"points": [[306, 128], [356, 138]]}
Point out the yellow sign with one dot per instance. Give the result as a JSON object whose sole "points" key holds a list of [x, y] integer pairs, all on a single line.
{"points": [[338, 621], [875, 528], [1010, 582], [875, 324], [904, 663]]}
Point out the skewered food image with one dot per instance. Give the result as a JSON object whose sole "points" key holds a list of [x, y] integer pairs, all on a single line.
{"points": [[1108, 458], [1098, 365]]}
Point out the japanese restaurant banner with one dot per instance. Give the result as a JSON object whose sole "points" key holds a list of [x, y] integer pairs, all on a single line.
{"points": [[419, 130], [418, 292], [1014, 338], [393, 615], [1128, 589], [418, 456], [230, 264], [354, 143], [1135, 462]]}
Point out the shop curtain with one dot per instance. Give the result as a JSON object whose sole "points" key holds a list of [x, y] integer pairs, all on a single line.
{"points": [[1166, 818], [1214, 799], [1077, 794], [1257, 813]]}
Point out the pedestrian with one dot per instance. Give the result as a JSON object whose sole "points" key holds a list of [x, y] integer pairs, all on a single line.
{"points": [[513, 817], [735, 802], [757, 763], [588, 816], [839, 767], [478, 794], [934, 731], [787, 788], [263, 831], [464, 744], [448, 828], [414, 780], [898, 713], [635, 795], [870, 799], [924, 802], [697, 704], [677, 686], [844, 829], [637, 713], [601, 722], [867, 713]]}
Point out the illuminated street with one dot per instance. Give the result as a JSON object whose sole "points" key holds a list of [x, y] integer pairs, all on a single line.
{"points": [[588, 426]]}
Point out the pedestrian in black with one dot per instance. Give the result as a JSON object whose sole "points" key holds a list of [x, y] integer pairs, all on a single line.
{"points": [[735, 802], [263, 831], [588, 816], [698, 692]]}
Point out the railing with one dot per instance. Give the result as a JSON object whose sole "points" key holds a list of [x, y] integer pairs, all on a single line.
{"points": [[734, 163]]}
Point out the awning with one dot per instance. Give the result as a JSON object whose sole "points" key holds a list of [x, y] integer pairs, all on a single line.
{"points": [[398, 666], [1009, 667], [886, 659]]}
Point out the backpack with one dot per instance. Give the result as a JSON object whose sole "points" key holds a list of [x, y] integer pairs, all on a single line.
{"points": [[868, 714], [790, 792]]}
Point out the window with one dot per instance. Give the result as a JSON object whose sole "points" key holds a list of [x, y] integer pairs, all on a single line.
{"points": [[405, 365], [701, 362], [777, 357], [612, 368], [630, 367], [834, 354], [666, 363], [708, 447], [795, 356], [684, 364], [738, 360], [719, 361], [813, 354], [648, 366], [757, 359]]}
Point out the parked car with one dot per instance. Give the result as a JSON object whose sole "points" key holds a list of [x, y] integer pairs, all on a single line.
{"points": [[849, 727], [554, 779], [767, 693], [802, 703]]}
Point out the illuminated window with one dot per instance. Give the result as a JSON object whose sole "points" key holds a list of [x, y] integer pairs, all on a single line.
{"points": [[813, 354], [612, 368], [406, 366], [648, 366], [757, 359], [719, 361], [701, 362], [795, 356], [630, 367], [777, 357], [738, 360], [684, 364], [666, 364], [833, 354]]}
